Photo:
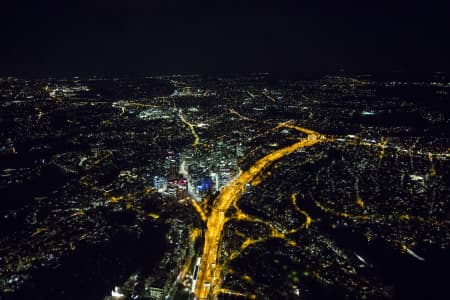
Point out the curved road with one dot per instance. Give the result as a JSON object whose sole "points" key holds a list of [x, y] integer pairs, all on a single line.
{"points": [[209, 276]]}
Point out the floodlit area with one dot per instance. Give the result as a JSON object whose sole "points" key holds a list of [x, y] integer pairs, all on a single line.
{"points": [[250, 186]]}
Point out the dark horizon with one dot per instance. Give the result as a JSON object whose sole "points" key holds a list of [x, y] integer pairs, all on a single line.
{"points": [[223, 36]]}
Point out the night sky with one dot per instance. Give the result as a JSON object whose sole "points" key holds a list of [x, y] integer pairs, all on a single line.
{"points": [[40, 38]]}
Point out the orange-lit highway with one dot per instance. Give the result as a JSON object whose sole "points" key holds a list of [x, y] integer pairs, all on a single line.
{"points": [[191, 127], [209, 276]]}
